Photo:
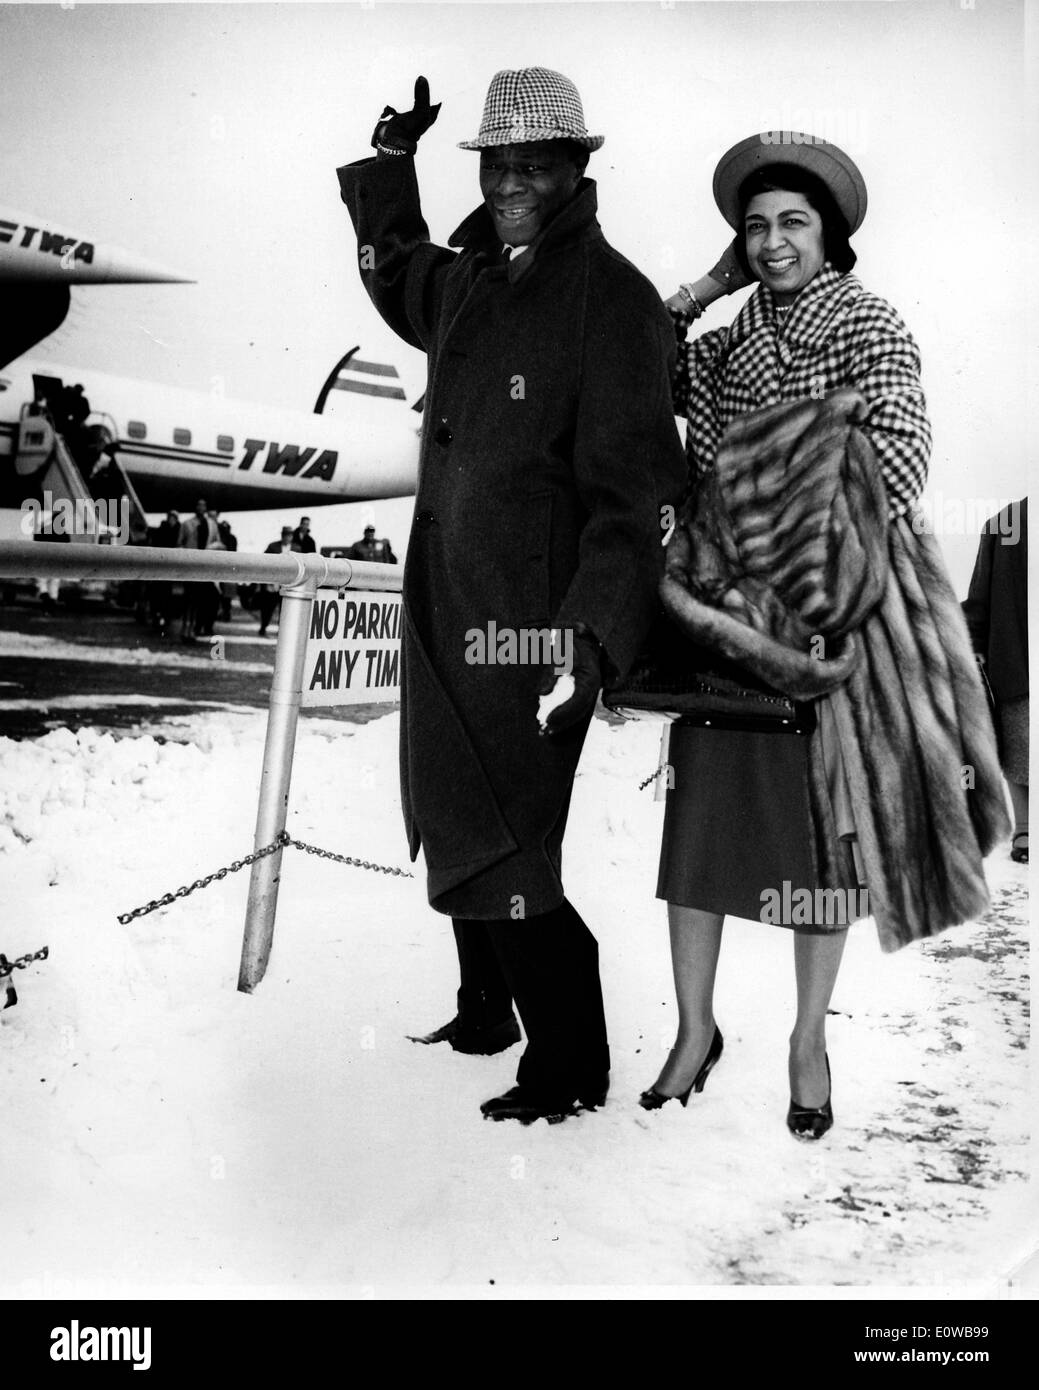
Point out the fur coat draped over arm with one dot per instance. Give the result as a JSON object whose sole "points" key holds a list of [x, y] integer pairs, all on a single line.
{"points": [[786, 561]]}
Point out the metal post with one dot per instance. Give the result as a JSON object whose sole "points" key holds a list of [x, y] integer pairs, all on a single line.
{"points": [[271, 813], [300, 575]]}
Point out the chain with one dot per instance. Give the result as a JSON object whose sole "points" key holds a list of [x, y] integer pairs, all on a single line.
{"points": [[345, 859], [7, 966], [231, 868], [281, 842], [652, 777]]}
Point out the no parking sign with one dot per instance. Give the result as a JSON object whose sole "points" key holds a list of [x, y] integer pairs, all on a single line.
{"points": [[353, 651]]}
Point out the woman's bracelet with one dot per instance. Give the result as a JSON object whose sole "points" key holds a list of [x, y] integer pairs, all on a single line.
{"points": [[695, 307]]}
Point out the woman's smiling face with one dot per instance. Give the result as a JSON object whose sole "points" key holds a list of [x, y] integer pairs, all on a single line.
{"points": [[784, 240]]}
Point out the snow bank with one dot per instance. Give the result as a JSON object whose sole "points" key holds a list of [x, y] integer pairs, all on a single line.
{"points": [[162, 1131]]}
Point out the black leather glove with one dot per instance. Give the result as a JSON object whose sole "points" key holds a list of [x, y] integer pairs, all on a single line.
{"points": [[587, 677], [729, 272], [401, 131]]}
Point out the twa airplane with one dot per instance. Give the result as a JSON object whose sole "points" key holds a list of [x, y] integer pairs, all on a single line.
{"points": [[175, 445]]}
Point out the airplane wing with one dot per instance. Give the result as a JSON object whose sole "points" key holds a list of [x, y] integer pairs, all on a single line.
{"points": [[30, 314]]}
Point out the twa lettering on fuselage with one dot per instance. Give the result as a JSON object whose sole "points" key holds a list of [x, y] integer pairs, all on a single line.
{"points": [[291, 459], [49, 243]]}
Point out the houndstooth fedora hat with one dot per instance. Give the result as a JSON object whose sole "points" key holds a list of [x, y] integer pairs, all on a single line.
{"points": [[528, 105]]}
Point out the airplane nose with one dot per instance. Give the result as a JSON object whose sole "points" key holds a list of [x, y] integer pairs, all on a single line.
{"points": [[114, 266]]}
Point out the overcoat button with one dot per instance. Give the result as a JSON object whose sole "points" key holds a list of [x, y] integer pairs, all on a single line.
{"points": [[442, 435], [425, 517]]}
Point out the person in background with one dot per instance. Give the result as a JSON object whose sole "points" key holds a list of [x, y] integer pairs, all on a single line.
{"points": [[996, 609], [198, 532], [227, 590], [304, 540], [70, 418], [210, 592], [370, 549], [75, 408], [227, 536], [267, 596], [49, 587], [165, 536]]}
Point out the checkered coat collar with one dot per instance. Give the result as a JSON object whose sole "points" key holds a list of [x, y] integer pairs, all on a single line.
{"points": [[810, 321], [573, 221]]}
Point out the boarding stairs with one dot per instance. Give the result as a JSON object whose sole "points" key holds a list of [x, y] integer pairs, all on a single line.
{"points": [[51, 475]]}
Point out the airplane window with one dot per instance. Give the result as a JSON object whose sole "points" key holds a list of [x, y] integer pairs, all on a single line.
{"points": [[225, 443], [136, 429], [181, 436]]}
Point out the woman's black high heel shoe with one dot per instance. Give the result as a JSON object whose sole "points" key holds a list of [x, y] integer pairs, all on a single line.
{"points": [[653, 1100], [807, 1123]]}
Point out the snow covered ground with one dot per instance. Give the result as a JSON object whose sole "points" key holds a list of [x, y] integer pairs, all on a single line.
{"points": [[162, 1132]]}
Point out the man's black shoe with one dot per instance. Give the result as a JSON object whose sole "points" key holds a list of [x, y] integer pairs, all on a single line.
{"points": [[525, 1105], [479, 1042]]}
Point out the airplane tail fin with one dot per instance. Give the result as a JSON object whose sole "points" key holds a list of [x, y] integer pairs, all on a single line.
{"points": [[351, 374]]}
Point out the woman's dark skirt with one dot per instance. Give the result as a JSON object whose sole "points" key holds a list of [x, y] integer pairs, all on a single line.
{"points": [[737, 825]]}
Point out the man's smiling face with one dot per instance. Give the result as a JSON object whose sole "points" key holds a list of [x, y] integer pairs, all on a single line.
{"points": [[524, 186]]}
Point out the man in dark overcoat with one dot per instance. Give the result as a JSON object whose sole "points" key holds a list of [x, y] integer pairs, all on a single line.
{"points": [[548, 449], [197, 532], [305, 542], [268, 596], [372, 550]]}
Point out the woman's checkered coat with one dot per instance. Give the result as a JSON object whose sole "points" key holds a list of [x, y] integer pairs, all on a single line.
{"points": [[837, 334]]}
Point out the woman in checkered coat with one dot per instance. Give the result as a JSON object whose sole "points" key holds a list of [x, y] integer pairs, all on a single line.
{"points": [[754, 819]]}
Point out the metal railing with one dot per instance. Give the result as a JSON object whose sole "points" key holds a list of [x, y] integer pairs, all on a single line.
{"points": [[25, 559], [299, 577]]}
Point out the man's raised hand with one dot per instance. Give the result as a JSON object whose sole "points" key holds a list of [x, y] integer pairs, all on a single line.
{"points": [[398, 132]]}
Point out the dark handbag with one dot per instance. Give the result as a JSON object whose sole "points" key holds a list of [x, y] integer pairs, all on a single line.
{"points": [[674, 679]]}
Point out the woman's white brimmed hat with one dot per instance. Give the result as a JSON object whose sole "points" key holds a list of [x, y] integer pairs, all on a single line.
{"points": [[836, 170], [528, 105]]}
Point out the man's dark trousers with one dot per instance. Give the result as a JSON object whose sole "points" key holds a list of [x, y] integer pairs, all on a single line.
{"points": [[550, 965]]}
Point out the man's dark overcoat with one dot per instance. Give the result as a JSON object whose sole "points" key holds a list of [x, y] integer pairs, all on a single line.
{"points": [[548, 447], [996, 606]]}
